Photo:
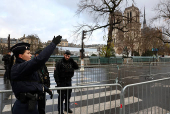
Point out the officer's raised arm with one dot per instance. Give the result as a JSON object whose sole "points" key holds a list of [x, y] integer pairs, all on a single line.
{"points": [[46, 53], [34, 64]]}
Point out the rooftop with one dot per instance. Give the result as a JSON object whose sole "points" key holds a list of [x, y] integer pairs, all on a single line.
{"points": [[131, 7]]}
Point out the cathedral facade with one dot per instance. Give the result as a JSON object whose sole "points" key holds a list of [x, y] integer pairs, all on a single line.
{"points": [[129, 37]]}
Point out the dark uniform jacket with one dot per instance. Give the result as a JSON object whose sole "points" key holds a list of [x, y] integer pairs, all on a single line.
{"points": [[44, 76], [6, 58], [24, 76], [64, 70]]}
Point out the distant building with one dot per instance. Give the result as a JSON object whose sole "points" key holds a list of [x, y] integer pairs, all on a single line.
{"points": [[4, 44], [129, 39], [63, 43], [4, 41], [96, 46], [71, 45]]}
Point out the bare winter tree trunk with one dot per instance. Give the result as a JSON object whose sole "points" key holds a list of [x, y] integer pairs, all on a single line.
{"points": [[109, 41]]}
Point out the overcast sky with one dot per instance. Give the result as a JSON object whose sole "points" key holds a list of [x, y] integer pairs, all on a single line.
{"points": [[47, 18]]}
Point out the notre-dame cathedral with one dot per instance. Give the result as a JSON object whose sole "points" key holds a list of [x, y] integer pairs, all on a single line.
{"points": [[128, 38]]}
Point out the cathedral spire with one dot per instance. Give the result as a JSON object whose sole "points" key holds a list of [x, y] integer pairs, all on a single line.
{"points": [[144, 21]]}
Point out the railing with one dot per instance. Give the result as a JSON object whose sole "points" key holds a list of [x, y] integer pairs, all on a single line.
{"points": [[84, 99], [118, 61], [103, 74], [140, 98], [153, 97], [111, 73], [91, 61]]}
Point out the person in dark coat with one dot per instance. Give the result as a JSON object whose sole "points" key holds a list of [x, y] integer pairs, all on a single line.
{"points": [[44, 79], [63, 73], [6, 58], [24, 77]]}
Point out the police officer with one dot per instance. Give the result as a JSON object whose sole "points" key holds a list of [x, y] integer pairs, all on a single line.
{"points": [[6, 58], [44, 79], [64, 71], [24, 78]]}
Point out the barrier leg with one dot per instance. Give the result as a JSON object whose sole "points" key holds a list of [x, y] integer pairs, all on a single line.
{"points": [[122, 106]]}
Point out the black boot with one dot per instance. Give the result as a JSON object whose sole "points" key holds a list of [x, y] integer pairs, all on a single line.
{"points": [[60, 112], [69, 110]]}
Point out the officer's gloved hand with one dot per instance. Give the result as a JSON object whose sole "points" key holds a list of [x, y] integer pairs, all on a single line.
{"points": [[50, 93], [57, 40], [46, 89]]}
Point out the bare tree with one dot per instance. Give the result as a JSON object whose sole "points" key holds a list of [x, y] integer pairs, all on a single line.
{"points": [[110, 51], [101, 10], [163, 15], [132, 37], [150, 39]]}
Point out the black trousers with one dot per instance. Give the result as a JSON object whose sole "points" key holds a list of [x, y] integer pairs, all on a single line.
{"points": [[42, 103], [64, 95], [7, 72]]}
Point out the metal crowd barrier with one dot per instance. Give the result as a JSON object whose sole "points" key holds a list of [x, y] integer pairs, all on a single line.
{"points": [[84, 99], [148, 71], [104, 74], [3, 96], [112, 60], [95, 74], [152, 97]]}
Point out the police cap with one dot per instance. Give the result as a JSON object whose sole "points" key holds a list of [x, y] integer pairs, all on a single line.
{"points": [[38, 51], [67, 52], [20, 46]]}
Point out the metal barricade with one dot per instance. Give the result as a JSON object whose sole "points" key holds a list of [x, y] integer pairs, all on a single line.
{"points": [[103, 74], [143, 72], [96, 74], [152, 97], [4, 96], [84, 99]]}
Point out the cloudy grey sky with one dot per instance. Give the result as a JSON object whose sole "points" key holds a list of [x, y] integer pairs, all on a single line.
{"points": [[47, 18]]}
